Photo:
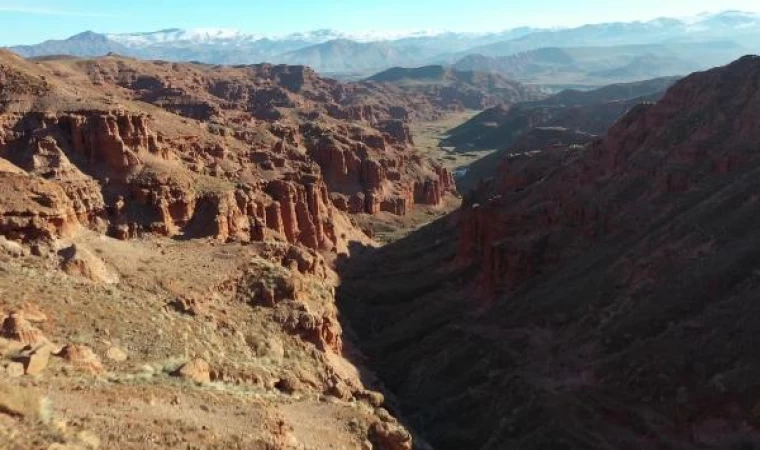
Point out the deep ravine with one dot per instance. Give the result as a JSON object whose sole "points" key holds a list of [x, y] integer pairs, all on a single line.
{"points": [[601, 297]]}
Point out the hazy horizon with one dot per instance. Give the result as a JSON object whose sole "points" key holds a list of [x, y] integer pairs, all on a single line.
{"points": [[57, 19]]}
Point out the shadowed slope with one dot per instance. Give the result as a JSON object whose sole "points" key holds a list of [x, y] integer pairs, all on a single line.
{"points": [[589, 299]]}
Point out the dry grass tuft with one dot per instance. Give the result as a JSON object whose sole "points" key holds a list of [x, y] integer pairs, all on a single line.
{"points": [[25, 403]]}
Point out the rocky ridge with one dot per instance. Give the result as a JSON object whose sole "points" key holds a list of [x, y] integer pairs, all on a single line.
{"points": [[564, 120], [591, 112], [588, 298], [443, 89]]}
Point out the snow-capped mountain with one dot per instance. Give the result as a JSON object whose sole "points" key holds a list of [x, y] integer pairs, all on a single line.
{"points": [[337, 51], [727, 20], [176, 35], [180, 36]]}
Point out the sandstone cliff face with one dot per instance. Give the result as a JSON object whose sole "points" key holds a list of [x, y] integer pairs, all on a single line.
{"points": [[115, 140], [394, 183], [303, 212], [33, 209], [121, 176], [511, 243], [355, 133], [585, 291]]}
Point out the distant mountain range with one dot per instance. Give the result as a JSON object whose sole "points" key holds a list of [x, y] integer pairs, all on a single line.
{"points": [[601, 64], [632, 50]]}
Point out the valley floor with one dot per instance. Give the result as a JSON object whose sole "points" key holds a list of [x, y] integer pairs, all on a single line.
{"points": [[428, 136]]}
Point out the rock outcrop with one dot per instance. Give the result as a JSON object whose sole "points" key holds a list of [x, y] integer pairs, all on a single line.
{"points": [[530, 202], [32, 208], [80, 262], [197, 371], [95, 158], [115, 140], [389, 436], [346, 129], [298, 306], [18, 328], [381, 185], [82, 358]]}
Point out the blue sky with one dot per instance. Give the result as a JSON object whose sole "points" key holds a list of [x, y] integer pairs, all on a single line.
{"points": [[25, 21]]}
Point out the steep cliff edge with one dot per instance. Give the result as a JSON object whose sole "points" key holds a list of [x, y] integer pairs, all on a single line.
{"points": [[594, 298]]}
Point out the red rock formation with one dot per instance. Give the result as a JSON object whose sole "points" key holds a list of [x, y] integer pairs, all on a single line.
{"points": [[46, 159], [302, 211], [243, 175], [160, 201], [287, 194], [32, 208], [511, 223], [383, 186], [82, 357], [18, 328], [397, 206], [274, 218], [356, 152], [372, 174], [397, 131], [428, 192], [115, 140]]}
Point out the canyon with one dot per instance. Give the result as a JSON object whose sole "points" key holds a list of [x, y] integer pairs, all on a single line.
{"points": [[189, 259]]}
